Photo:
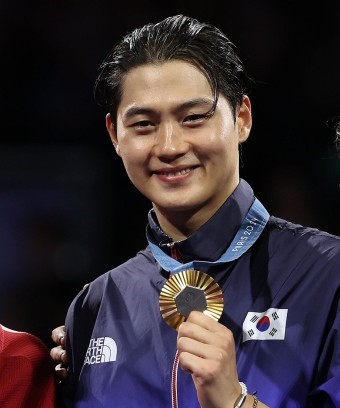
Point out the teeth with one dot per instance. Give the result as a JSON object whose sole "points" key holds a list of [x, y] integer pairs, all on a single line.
{"points": [[177, 173]]}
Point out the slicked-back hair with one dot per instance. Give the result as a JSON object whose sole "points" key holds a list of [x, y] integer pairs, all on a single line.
{"points": [[175, 38]]}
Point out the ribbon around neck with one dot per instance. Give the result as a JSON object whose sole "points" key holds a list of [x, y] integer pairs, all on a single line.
{"points": [[251, 228]]}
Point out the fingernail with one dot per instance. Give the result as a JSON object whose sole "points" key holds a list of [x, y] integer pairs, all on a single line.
{"points": [[64, 357]]}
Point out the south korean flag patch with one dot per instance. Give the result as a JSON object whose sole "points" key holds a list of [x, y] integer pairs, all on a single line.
{"points": [[268, 325]]}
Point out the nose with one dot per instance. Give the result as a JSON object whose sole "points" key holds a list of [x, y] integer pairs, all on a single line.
{"points": [[169, 141]]}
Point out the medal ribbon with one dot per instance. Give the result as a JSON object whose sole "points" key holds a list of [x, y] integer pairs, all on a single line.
{"points": [[250, 229]]}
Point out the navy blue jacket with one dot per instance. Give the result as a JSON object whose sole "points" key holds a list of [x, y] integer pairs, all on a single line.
{"points": [[281, 301]]}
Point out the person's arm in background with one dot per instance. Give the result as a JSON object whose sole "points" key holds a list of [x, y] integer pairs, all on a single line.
{"points": [[27, 378]]}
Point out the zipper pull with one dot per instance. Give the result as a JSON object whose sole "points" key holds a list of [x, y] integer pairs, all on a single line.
{"points": [[173, 250]]}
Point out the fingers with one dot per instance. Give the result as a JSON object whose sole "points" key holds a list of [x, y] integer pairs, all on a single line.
{"points": [[61, 372], [58, 335], [204, 329], [204, 321], [205, 346], [201, 359], [58, 355], [207, 351]]}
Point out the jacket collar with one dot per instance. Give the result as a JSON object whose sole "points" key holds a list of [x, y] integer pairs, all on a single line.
{"points": [[211, 239]]}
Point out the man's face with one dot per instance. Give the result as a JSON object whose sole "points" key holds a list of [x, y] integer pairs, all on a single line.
{"points": [[180, 159]]}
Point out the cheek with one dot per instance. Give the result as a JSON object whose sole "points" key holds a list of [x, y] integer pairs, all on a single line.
{"points": [[220, 148], [134, 158], [129, 148], [221, 132], [220, 142], [134, 145]]}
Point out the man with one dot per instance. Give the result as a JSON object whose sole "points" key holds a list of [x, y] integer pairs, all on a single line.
{"points": [[227, 306], [27, 377]]}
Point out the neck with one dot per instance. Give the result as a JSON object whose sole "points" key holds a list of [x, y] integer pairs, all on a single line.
{"points": [[179, 225], [176, 226]]}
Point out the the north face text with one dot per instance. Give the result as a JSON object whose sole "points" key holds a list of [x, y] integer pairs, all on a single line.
{"points": [[101, 350]]}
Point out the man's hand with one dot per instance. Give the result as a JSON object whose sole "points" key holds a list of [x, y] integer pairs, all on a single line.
{"points": [[58, 353], [207, 351]]}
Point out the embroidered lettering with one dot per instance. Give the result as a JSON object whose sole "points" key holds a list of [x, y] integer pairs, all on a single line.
{"points": [[101, 350]]}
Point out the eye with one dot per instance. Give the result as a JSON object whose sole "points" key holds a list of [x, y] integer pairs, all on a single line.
{"points": [[142, 124], [195, 118]]}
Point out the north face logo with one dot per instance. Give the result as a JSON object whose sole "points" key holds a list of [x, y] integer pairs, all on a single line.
{"points": [[101, 350]]}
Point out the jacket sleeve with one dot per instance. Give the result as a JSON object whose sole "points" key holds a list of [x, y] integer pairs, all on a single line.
{"points": [[80, 320], [327, 391]]}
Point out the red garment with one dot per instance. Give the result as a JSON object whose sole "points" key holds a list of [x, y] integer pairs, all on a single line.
{"points": [[26, 371]]}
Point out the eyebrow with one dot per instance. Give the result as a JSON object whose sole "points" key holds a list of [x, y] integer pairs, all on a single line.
{"points": [[197, 102]]}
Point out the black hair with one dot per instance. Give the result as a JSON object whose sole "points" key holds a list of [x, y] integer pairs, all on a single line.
{"points": [[175, 38]]}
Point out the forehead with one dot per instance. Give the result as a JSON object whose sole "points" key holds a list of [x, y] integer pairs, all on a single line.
{"points": [[169, 82]]}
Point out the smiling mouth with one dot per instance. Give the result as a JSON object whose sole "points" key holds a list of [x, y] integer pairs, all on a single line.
{"points": [[176, 173]]}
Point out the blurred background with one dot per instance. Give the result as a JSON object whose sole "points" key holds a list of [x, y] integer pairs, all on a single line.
{"points": [[68, 211]]}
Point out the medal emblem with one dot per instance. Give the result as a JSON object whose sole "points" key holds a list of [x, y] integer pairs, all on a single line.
{"points": [[187, 291]]}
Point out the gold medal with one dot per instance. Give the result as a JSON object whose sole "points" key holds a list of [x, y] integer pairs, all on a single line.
{"points": [[187, 291]]}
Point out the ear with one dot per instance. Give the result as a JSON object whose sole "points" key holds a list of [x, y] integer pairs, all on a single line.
{"points": [[113, 135], [244, 119]]}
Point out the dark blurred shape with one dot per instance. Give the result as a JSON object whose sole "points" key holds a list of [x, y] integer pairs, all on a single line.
{"points": [[54, 208]]}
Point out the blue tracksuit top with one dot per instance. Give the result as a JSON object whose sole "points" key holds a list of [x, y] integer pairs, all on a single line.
{"points": [[281, 301]]}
